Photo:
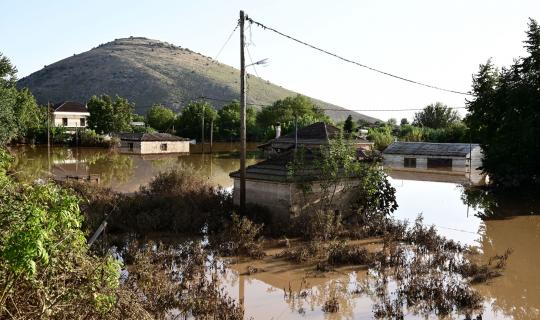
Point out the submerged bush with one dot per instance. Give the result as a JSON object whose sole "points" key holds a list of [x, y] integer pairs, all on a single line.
{"points": [[46, 270]]}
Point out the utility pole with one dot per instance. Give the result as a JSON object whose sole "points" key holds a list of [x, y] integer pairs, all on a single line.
{"points": [[211, 135], [48, 138], [202, 129], [242, 116]]}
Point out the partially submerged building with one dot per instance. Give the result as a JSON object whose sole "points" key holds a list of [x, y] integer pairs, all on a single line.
{"points": [[309, 137], [71, 115], [152, 143], [271, 183], [462, 159]]}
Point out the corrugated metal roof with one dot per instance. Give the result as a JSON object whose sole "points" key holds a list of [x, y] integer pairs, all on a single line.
{"points": [[430, 149], [150, 137]]}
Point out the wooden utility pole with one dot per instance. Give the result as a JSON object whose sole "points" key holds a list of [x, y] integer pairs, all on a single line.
{"points": [[48, 138], [242, 116], [211, 135], [202, 129]]}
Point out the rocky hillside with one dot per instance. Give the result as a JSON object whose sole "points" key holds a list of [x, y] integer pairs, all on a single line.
{"points": [[149, 71]]}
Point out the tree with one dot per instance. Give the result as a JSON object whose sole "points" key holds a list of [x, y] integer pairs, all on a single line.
{"points": [[286, 112], [19, 112], [349, 126], [229, 121], [108, 115], [160, 118], [189, 123], [404, 121], [436, 116], [392, 122], [504, 116]]}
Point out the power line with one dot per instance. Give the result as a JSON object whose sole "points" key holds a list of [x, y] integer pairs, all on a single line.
{"points": [[227, 41], [327, 109], [264, 27]]}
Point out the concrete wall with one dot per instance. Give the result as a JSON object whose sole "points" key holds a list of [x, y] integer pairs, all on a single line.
{"points": [[154, 147], [459, 164], [275, 196], [73, 118]]}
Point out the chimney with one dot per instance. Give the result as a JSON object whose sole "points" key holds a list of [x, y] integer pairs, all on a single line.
{"points": [[278, 130]]}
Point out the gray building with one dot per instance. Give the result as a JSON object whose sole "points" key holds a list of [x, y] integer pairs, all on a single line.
{"points": [[462, 159], [152, 143], [312, 136]]}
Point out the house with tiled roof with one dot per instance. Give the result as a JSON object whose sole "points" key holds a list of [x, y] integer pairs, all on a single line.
{"points": [[312, 136], [152, 143], [71, 115]]}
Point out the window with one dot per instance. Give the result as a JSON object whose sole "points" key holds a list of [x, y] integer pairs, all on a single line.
{"points": [[163, 147], [439, 164], [64, 122], [409, 162], [130, 146], [83, 122]]}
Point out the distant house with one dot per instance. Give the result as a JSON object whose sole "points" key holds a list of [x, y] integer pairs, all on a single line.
{"points": [[309, 137], [71, 115], [152, 143], [448, 158]]}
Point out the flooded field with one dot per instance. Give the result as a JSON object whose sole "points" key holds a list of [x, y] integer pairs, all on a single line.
{"points": [[285, 291]]}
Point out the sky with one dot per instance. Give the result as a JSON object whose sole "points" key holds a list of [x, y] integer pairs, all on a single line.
{"points": [[441, 43]]}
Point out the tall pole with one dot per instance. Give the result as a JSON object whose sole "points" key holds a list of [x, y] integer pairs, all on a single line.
{"points": [[202, 129], [242, 116], [211, 135]]}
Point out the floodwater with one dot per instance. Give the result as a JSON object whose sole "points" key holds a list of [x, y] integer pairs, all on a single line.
{"points": [[285, 291], [125, 172]]}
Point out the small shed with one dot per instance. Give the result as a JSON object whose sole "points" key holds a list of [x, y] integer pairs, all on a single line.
{"points": [[152, 143], [448, 158]]}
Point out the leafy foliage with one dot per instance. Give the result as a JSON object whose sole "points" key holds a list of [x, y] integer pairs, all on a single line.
{"points": [[109, 115], [504, 116], [160, 118], [189, 122], [286, 111], [436, 116], [229, 122], [19, 112], [45, 267]]}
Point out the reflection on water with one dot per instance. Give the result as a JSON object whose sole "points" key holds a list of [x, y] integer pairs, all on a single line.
{"points": [[473, 217], [123, 172]]}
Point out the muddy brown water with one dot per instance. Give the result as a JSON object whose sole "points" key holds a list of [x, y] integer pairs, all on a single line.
{"points": [[515, 295]]}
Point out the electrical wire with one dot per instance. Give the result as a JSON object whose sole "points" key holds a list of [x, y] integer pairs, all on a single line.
{"points": [[264, 27], [227, 41], [325, 109]]}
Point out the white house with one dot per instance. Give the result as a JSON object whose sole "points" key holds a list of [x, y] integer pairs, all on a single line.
{"points": [[463, 159], [69, 114], [152, 143]]}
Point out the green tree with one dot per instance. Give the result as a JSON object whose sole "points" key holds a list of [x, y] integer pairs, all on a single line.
{"points": [[286, 111], [108, 115], [160, 118], [349, 125], [404, 121], [504, 116], [189, 123], [381, 136], [436, 116], [19, 112], [229, 121]]}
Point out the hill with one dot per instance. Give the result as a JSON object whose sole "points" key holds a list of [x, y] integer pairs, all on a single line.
{"points": [[149, 71]]}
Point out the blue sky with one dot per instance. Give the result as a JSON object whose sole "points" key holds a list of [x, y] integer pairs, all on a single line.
{"points": [[436, 42]]}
